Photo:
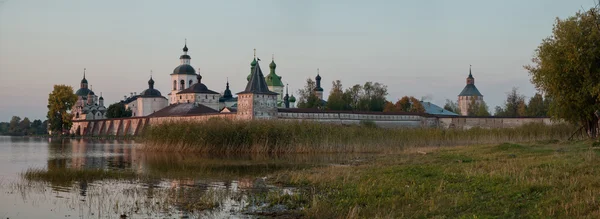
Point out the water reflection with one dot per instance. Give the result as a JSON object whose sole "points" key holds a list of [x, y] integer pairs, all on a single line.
{"points": [[109, 178]]}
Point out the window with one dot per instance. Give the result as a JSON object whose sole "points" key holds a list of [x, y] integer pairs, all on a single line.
{"points": [[182, 84], [190, 83], [174, 85]]}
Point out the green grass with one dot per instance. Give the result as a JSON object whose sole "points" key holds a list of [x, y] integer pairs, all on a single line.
{"points": [[495, 181], [218, 136]]}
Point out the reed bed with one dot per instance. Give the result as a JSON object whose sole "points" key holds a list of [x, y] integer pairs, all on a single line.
{"points": [[219, 136]]}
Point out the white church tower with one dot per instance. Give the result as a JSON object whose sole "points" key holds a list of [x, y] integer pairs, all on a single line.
{"points": [[183, 76]]}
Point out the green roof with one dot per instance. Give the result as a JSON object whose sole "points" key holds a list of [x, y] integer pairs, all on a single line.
{"points": [[272, 78]]}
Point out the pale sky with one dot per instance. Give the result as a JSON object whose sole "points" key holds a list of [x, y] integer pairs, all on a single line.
{"points": [[417, 48]]}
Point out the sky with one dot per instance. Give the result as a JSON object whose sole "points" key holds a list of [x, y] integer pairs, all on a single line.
{"points": [[416, 48]]}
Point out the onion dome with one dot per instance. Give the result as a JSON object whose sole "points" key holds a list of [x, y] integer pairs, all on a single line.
{"points": [[151, 92], [253, 63], [292, 99], [318, 78], [198, 88], [101, 98], [84, 81], [185, 49], [184, 69], [227, 93], [272, 78]]}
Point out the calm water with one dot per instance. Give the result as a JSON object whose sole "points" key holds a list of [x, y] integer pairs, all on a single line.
{"points": [[142, 185]]}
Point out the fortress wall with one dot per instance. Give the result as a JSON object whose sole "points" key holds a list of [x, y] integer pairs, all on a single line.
{"points": [[386, 121], [160, 120], [489, 122], [135, 125]]}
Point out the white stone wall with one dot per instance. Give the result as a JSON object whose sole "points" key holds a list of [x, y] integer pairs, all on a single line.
{"points": [[177, 78], [265, 106], [209, 100], [149, 105], [245, 109]]}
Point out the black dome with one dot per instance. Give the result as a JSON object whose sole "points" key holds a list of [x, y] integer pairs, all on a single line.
{"points": [[82, 92], [150, 92], [198, 88], [84, 81], [185, 57], [184, 69]]}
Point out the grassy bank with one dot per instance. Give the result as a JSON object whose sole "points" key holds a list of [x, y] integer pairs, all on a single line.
{"points": [[497, 181], [238, 137]]}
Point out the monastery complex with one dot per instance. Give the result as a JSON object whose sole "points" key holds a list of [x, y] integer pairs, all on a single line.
{"points": [[263, 98]]}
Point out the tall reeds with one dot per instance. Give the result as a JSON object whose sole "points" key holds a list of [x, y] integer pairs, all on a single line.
{"points": [[218, 136]]}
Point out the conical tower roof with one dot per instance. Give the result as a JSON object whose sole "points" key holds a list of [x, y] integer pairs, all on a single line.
{"points": [[257, 83]]}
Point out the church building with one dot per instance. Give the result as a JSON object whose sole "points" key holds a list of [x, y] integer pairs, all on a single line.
{"points": [[88, 105], [468, 95]]}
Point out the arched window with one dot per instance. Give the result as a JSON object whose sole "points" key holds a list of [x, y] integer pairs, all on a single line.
{"points": [[182, 84], [174, 85], [190, 83]]}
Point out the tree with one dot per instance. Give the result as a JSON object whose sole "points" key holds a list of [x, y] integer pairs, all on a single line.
{"points": [[368, 97], [537, 106], [452, 106], [13, 127], [117, 110], [36, 127], [336, 100], [405, 104], [514, 105], [566, 67], [24, 126], [307, 97], [60, 102], [478, 109]]}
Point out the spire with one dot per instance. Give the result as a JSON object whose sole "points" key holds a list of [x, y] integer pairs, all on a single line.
{"points": [[84, 82], [470, 79], [185, 49], [257, 83], [185, 58], [318, 80], [286, 99], [470, 75], [252, 64], [227, 92]]}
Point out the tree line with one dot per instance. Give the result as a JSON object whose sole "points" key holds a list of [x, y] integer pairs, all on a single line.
{"points": [[22, 127], [370, 96]]}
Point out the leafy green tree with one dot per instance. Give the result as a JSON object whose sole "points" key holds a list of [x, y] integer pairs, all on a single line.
{"points": [[336, 100], [13, 128], [4, 128], [117, 110], [537, 106], [36, 127], [307, 97], [452, 106], [478, 109], [514, 105], [60, 102], [566, 67], [368, 97], [24, 126]]}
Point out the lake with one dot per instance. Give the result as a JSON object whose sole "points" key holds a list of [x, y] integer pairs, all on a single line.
{"points": [[79, 178]]}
